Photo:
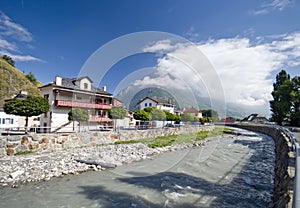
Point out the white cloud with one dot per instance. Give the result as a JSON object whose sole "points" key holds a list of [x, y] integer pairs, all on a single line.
{"points": [[272, 5], [13, 30], [5, 45], [246, 69], [24, 58], [13, 35]]}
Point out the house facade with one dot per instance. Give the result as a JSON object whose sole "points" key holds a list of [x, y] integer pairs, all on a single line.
{"points": [[161, 104], [66, 93], [8, 121], [194, 112], [14, 122], [255, 118]]}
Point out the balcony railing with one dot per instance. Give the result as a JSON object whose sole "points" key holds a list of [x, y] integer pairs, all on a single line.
{"points": [[67, 103], [99, 119]]}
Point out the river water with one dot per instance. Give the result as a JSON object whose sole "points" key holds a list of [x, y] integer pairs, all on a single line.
{"points": [[229, 171]]}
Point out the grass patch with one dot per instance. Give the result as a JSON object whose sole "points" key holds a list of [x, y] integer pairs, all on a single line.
{"points": [[24, 152], [177, 139], [127, 142]]}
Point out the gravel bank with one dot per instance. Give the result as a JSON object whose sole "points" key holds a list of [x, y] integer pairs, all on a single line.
{"points": [[17, 170]]}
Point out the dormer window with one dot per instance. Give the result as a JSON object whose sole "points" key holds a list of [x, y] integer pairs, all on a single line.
{"points": [[85, 86]]}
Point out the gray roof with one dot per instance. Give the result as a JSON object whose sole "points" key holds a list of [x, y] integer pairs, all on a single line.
{"points": [[157, 100], [191, 110], [70, 83]]}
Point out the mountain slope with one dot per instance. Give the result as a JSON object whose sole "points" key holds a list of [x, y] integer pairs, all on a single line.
{"points": [[12, 81]]}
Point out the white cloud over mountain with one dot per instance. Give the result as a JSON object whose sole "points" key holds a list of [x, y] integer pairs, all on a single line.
{"points": [[246, 69]]}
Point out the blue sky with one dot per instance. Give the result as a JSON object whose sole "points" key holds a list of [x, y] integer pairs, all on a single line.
{"points": [[247, 42]]}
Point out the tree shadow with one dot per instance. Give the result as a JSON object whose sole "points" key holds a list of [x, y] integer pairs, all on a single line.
{"points": [[177, 189]]}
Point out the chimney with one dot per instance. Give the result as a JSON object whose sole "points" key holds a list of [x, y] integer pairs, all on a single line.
{"points": [[104, 88], [58, 80], [23, 92]]}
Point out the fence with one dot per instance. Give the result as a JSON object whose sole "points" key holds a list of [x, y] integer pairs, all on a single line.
{"points": [[296, 150]]}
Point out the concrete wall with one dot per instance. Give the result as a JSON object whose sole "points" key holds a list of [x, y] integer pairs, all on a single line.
{"points": [[283, 180], [10, 145]]}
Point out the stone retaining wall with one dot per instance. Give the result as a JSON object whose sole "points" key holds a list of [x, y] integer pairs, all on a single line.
{"points": [[10, 145], [282, 179]]}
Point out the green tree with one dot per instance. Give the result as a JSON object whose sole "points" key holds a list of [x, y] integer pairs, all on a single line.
{"points": [[282, 99], [210, 113], [28, 107], [32, 78], [149, 109], [187, 117], [78, 114], [205, 120], [295, 97], [170, 116], [117, 112], [9, 60], [142, 115], [157, 115]]}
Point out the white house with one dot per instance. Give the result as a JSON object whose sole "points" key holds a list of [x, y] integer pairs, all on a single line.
{"points": [[8, 121], [161, 104], [67, 93], [194, 112]]}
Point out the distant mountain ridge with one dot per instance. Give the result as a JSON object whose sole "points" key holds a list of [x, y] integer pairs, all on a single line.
{"points": [[13, 81]]}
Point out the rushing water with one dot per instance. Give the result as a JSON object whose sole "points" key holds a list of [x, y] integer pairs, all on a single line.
{"points": [[230, 171]]}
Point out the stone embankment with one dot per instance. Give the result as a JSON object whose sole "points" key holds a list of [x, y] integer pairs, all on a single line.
{"points": [[10, 145], [282, 182], [56, 155]]}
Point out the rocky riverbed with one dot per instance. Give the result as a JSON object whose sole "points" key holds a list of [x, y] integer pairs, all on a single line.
{"points": [[42, 166]]}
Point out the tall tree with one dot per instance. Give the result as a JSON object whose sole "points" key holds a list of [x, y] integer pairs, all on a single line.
{"points": [[117, 112], [210, 113], [188, 117], [281, 103], [295, 97], [8, 59], [28, 107], [32, 78], [78, 114]]}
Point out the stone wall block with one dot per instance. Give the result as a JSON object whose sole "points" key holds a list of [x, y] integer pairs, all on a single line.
{"points": [[44, 140], [3, 143], [34, 146], [21, 148], [10, 151], [13, 145], [13, 138], [25, 140], [2, 152]]}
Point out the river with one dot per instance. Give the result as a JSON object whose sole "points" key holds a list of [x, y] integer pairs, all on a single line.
{"points": [[229, 171]]}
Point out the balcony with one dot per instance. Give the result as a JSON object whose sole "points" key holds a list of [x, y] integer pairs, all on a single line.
{"points": [[99, 119], [67, 103]]}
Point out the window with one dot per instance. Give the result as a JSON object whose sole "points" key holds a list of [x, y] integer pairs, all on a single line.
{"points": [[150, 104], [46, 96], [85, 86], [11, 121], [145, 104], [3, 120]]}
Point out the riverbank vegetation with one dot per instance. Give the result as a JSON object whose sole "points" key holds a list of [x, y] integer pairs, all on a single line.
{"points": [[285, 105], [177, 139]]}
